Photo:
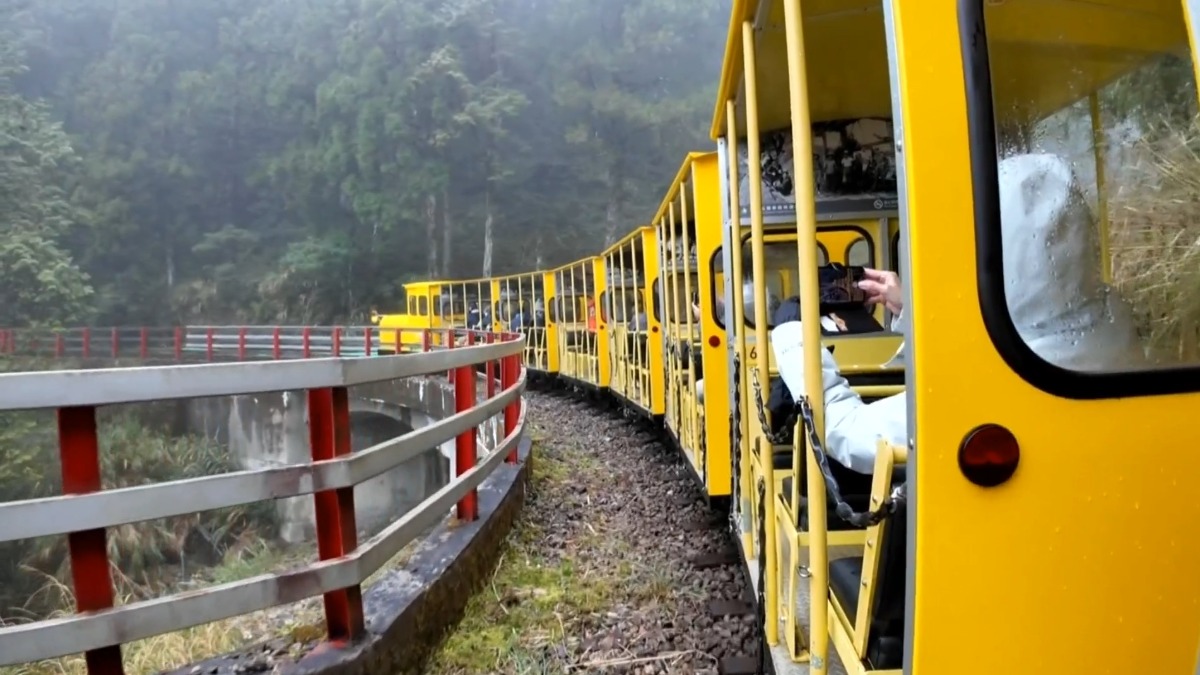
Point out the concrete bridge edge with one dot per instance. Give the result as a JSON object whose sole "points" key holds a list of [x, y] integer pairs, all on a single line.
{"points": [[410, 610]]}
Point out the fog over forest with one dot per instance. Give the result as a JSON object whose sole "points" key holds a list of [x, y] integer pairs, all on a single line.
{"points": [[297, 160]]}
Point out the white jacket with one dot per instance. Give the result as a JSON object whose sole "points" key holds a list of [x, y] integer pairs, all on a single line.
{"points": [[1055, 295]]}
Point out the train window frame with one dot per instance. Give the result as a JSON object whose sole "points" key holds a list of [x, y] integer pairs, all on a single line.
{"points": [[555, 301], [989, 261], [846, 253], [821, 248]]}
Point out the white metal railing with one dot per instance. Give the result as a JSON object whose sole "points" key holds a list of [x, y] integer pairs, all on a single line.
{"points": [[85, 510]]}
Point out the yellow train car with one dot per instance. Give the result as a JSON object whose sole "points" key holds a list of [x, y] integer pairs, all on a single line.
{"points": [[634, 330], [519, 306], [1024, 165], [581, 333], [688, 223], [422, 310], [1004, 230]]}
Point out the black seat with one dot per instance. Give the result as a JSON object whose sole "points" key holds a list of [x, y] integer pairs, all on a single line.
{"points": [[879, 379], [885, 641]]}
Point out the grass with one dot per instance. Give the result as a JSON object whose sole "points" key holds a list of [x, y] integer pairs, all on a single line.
{"points": [[301, 623], [514, 623], [1155, 238], [524, 619]]}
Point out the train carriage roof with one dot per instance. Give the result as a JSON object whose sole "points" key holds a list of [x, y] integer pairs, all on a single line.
{"points": [[1047, 54], [672, 195]]}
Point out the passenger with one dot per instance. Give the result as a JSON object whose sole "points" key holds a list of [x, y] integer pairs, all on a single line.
{"points": [[1054, 290], [539, 314], [876, 286], [473, 317]]}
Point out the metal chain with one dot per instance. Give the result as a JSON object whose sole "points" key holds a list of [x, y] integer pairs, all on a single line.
{"points": [[844, 511], [735, 445], [803, 410], [781, 437]]}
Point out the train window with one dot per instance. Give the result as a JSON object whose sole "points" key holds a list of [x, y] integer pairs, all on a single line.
{"points": [[622, 304], [859, 253], [657, 301], [423, 306], [412, 306], [781, 261], [679, 293], [562, 309], [1084, 205]]}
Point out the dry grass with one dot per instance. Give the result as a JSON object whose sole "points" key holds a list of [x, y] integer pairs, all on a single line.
{"points": [[302, 622], [1155, 238]]}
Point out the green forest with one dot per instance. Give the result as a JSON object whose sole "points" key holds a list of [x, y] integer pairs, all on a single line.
{"points": [[297, 160]]}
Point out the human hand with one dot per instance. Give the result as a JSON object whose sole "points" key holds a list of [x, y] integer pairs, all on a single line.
{"points": [[882, 287]]}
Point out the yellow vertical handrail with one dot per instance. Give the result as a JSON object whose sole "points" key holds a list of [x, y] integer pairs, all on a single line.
{"points": [[690, 426], [754, 166], [738, 325], [806, 233]]}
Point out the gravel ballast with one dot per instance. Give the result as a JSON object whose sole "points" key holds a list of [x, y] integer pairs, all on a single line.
{"points": [[598, 576]]}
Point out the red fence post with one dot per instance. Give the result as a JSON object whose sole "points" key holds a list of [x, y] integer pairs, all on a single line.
{"points": [[426, 340], [276, 347], [510, 371], [60, 346], [242, 343], [80, 456], [337, 534], [464, 444], [208, 342], [306, 341], [179, 343], [87, 342], [367, 336], [116, 343], [144, 345], [490, 370], [450, 345], [337, 341], [398, 333]]}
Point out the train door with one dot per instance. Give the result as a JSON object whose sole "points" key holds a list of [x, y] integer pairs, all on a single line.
{"points": [[550, 292], [1050, 412], [602, 370]]}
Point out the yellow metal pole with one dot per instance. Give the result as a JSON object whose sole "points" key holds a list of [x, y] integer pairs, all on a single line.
{"points": [[673, 330], [693, 444], [806, 233], [636, 330], [754, 163], [745, 478]]}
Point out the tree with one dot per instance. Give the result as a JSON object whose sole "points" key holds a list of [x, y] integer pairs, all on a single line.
{"points": [[40, 284]]}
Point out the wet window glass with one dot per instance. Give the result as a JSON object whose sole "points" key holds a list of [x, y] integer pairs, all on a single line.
{"points": [[1099, 165]]}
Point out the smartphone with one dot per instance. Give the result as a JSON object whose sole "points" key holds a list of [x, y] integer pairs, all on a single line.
{"points": [[839, 286]]}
